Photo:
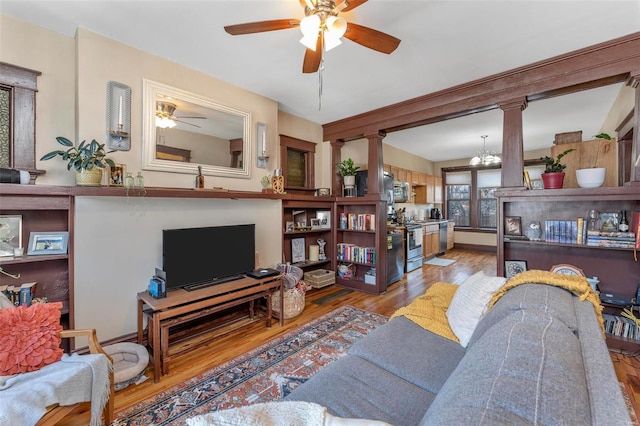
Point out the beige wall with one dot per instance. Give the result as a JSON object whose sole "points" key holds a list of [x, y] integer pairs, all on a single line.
{"points": [[110, 265]]}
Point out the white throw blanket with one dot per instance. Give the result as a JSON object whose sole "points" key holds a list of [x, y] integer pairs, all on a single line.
{"points": [[75, 378]]}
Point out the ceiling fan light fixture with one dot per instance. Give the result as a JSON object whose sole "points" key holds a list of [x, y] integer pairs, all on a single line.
{"points": [[334, 30], [310, 28], [165, 122]]}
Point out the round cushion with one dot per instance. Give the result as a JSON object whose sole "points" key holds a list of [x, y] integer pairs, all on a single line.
{"points": [[129, 360]]}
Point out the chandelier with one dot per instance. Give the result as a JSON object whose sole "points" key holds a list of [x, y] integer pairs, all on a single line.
{"points": [[485, 157]]}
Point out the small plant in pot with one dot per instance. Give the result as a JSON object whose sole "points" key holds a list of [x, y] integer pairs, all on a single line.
{"points": [[593, 177], [553, 175], [87, 159], [347, 169]]}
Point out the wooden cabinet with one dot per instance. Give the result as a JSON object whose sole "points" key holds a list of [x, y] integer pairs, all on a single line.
{"points": [[418, 178], [437, 190], [361, 243], [307, 208], [430, 240], [615, 267], [42, 209], [395, 172], [450, 229], [420, 196]]}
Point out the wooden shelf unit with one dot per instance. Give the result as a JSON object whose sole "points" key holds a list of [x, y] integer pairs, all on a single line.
{"points": [[43, 209], [615, 267], [376, 239], [310, 206]]}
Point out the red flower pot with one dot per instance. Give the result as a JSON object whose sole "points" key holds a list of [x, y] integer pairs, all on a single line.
{"points": [[553, 180]]}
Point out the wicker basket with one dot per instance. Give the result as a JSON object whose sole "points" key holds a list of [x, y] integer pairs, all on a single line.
{"points": [[294, 300]]}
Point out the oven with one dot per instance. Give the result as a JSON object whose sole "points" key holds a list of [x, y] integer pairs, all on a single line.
{"points": [[413, 256]]}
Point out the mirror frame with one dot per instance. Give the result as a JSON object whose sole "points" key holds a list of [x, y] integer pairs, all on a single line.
{"points": [[150, 90]]}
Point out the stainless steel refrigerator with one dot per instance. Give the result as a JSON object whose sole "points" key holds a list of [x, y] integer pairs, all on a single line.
{"points": [[395, 257]]}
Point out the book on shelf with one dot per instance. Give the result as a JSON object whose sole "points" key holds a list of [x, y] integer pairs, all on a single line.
{"points": [[27, 292], [611, 243], [563, 231], [603, 238], [617, 234], [348, 252], [621, 327]]}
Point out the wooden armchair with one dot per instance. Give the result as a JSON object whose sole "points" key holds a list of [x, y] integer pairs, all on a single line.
{"points": [[58, 412]]}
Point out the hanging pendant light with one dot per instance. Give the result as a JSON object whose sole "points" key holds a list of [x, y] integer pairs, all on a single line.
{"points": [[485, 157]]}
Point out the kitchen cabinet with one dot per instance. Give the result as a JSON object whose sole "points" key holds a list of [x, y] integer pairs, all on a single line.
{"points": [[431, 240], [450, 229], [437, 190]]}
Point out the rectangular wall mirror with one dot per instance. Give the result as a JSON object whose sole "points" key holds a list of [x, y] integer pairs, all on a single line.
{"points": [[183, 130]]}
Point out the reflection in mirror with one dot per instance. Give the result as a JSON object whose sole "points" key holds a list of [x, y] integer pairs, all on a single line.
{"points": [[183, 130]]}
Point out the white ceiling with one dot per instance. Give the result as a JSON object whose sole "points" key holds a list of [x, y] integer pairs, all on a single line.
{"points": [[444, 43]]}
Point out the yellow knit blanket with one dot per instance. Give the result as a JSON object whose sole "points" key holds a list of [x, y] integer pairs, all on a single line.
{"points": [[429, 310], [576, 284]]}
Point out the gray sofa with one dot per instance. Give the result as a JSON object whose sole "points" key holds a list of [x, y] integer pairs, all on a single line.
{"points": [[537, 357]]}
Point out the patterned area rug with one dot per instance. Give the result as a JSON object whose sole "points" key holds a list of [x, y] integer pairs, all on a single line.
{"points": [[628, 399], [267, 373]]}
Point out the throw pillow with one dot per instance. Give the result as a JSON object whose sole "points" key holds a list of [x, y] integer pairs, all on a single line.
{"points": [[470, 302], [29, 337]]}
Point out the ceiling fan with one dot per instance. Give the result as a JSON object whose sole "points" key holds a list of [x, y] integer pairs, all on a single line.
{"points": [[322, 29], [166, 119]]}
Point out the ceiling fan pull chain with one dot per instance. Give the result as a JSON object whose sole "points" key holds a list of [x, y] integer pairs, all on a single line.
{"points": [[320, 84]]}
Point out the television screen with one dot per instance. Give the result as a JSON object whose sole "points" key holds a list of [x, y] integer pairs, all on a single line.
{"points": [[192, 256]]}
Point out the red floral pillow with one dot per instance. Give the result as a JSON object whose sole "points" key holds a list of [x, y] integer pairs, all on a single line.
{"points": [[29, 337]]}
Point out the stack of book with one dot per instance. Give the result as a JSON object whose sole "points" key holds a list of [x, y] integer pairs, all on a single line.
{"points": [[565, 231], [353, 253], [361, 222], [621, 327], [611, 239]]}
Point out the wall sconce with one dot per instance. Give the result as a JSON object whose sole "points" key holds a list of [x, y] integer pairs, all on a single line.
{"points": [[118, 116], [262, 157]]}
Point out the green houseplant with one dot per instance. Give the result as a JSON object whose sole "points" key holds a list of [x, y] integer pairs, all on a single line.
{"points": [[553, 175], [87, 159], [347, 168]]}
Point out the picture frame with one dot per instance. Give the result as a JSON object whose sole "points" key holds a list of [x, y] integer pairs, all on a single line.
{"points": [[10, 234], [323, 192], [514, 267], [298, 250], [527, 179], [325, 218], [315, 223], [537, 184], [609, 221], [117, 174], [299, 218], [46, 243], [290, 226], [512, 225]]}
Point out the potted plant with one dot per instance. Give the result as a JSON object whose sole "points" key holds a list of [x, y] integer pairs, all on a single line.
{"points": [[593, 177], [553, 175], [347, 169], [87, 159]]}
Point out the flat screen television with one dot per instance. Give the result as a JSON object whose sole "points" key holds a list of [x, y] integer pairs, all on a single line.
{"points": [[197, 257]]}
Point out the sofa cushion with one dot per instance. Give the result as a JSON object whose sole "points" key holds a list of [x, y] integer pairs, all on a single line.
{"points": [[469, 303], [526, 368], [554, 300], [409, 351], [352, 387]]}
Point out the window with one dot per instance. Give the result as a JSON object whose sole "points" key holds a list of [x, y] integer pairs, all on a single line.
{"points": [[470, 195], [297, 161]]}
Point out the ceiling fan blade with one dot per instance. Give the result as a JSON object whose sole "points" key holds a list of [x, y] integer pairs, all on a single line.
{"points": [[262, 26], [312, 59], [184, 122], [183, 116], [353, 4], [373, 39]]}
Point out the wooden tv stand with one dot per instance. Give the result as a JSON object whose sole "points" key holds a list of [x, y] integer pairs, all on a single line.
{"points": [[181, 306]]}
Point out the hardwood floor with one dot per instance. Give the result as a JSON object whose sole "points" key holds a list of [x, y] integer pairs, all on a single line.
{"points": [[398, 294]]}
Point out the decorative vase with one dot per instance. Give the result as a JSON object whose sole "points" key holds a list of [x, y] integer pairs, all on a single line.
{"points": [[349, 180], [590, 178], [553, 180], [87, 177]]}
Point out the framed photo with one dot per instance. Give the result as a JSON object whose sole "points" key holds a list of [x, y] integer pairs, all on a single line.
{"points": [[512, 225], [290, 227], [325, 218], [315, 223], [300, 218], [609, 221], [514, 267], [48, 243], [537, 184], [10, 234], [117, 174], [323, 192], [297, 250]]}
